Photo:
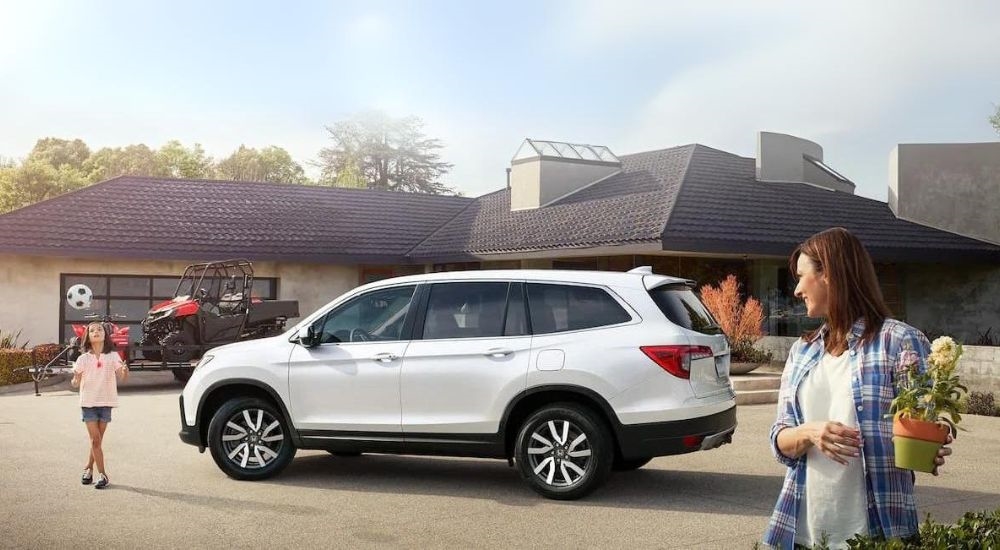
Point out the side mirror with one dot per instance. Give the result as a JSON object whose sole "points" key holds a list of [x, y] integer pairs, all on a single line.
{"points": [[307, 336]]}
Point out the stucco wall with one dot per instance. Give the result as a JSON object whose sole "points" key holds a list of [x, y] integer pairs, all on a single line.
{"points": [[979, 368], [950, 186], [958, 301], [30, 299]]}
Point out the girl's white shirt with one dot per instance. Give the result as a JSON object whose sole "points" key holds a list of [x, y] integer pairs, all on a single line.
{"points": [[98, 385]]}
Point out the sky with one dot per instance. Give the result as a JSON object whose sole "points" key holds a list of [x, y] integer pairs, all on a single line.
{"points": [[857, 77]]}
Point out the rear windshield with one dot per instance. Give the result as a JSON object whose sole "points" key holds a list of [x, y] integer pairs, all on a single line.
{"points": [[683, 308]]}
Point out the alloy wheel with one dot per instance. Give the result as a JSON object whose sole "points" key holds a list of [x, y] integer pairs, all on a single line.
{"points": [[559, 453], [252, 438]]}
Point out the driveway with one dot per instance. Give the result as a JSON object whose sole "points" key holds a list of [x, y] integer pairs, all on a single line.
{"points": [[164, 494]]}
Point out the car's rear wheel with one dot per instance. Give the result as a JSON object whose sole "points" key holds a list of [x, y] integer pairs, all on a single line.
{"points": [[249, 439], [564, 451], [629, 464]]}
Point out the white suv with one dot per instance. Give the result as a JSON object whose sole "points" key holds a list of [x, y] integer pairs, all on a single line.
{"points": [[567, 374]]}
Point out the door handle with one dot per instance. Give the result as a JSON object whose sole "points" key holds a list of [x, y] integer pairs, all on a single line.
{"points": [[385, 357], [498, 352]]}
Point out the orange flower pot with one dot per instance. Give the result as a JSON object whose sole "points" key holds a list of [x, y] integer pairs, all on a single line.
{"points": [[904, 426], [916, 442]]}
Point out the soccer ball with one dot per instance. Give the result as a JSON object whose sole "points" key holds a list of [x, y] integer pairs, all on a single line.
{"points": [[79, 297]]}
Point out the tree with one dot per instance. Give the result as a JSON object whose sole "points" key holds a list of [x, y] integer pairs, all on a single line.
{"points": [[133, 160], [386, 153], [58, 152], [271, 164], [995, 121], [53, 167], [36, 181], [176, 161]]}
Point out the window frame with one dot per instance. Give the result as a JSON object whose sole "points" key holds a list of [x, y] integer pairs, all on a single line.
{"points": [[65, 330], [406, 332], [418, 329], [634, 316]]}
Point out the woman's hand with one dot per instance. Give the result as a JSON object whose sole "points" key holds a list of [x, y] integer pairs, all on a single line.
{"points": [[942, 452], [75, 382], [835, 440], [122, 372]]}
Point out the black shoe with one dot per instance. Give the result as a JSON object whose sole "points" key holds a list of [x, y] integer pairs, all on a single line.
{"points": [[102, 482], [87, 477]]}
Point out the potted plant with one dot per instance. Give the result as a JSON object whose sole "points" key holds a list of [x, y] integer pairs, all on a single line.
{"points": [[926, 405], [740, 321]]}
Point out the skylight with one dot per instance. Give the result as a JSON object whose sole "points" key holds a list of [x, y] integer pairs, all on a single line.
{"points": [[534, 148], [827, 169]]}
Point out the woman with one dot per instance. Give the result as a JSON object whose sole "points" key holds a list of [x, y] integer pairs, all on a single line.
{"points": [[836, 389], [95, 372]]}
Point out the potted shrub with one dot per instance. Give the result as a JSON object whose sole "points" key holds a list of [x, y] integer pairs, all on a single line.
{"points": [[740, 321], [926, 405]]}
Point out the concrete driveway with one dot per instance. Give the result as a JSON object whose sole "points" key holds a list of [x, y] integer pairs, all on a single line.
{"points": [[165, 494]]}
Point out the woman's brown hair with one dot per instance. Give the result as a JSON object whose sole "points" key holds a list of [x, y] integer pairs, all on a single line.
{"points": [[853, 288], [109, 346]]}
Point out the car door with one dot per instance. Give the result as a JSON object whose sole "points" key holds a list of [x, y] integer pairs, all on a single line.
{"points": [[350, 381], [468, 359]]}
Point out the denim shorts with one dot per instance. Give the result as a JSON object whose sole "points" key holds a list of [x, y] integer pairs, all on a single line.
{"points": [[96, 414]]}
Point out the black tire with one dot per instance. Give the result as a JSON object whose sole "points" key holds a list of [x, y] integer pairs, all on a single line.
{"points": [[173, 347], [581, 440], [260, 422], [150, 354], [182, 374], [345, 454], [627, 465]]}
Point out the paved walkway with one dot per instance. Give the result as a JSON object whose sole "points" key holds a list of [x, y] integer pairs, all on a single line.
{"points": [[166, 495]]}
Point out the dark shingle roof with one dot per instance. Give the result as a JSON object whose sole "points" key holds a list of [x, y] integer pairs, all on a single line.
{"points": [[628, 207], [693, 199], [723, 208], [155, 218], [685, 199]]}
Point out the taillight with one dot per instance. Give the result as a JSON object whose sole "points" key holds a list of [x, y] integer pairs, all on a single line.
{"points": [[677, 359]]}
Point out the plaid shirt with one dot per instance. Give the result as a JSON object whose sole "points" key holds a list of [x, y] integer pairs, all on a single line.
{"points": [[892, 510]]}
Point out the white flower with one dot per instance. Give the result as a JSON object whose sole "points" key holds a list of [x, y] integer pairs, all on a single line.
{"points": [[945, 348]]}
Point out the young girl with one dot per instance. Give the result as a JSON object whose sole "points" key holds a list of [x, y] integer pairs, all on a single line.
{"points": [[94, 372]]}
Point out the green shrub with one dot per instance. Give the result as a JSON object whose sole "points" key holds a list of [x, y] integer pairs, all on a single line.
{"points": [[11, 359], [982, 403], [975, 531]]}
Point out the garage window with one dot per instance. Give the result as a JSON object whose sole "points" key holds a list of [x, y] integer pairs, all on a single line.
{"points": [[129, 295]]}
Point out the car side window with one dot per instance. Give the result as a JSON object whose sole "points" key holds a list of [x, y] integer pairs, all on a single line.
{"points": [[559, 308], [465, 310], [374, 316]]}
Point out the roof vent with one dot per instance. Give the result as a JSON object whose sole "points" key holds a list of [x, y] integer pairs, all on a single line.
{"points": [[543, 172], [785, 158]]}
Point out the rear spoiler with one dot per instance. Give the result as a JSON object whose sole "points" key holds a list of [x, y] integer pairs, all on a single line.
{"points": [[651, 280]]}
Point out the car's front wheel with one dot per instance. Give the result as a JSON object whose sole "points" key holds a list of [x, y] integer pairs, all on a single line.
{"points": [[249, 439], [564, 451]]}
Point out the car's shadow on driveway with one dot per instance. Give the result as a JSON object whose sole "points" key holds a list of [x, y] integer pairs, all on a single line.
{"points": [[648, 488]]}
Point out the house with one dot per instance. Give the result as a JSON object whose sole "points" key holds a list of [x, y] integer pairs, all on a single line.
{"points": [[691, 211]]}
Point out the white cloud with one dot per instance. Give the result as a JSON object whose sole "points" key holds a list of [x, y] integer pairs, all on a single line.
{"points": [[824, 72]]}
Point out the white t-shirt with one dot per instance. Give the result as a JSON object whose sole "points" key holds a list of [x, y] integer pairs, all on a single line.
{"points": [[98, 385], [835, 499]]}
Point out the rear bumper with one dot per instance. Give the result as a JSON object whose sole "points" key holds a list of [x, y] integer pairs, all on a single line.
{"points": [[677, 436], [190, 434]]}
